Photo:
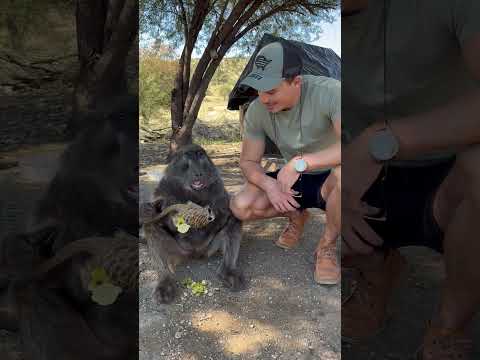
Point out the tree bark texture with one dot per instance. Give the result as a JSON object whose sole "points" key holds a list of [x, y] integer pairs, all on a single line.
{"points": [[106, 30]]}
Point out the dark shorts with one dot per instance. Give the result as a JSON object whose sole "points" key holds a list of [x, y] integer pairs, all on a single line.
{"points": [[309, 186], [407, 195]]}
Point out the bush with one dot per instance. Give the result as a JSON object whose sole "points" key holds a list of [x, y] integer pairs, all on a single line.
{"points": [[156, 79]]}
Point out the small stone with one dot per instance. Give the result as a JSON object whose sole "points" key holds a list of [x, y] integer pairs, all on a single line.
{"points": [[178, 335]]}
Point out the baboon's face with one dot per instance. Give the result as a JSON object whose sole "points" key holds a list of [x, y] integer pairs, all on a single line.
{"points": [[112, 154], [193, 168]]}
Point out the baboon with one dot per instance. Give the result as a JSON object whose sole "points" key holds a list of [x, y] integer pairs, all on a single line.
{"points": [[191, 176], [96, 188], [53, 311], [94, 193]]}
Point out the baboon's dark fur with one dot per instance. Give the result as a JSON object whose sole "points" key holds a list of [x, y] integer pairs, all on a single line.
{"points": [[192, 176]]}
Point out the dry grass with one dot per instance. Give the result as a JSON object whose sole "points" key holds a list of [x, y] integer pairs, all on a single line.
{"points": [[215, 124]]}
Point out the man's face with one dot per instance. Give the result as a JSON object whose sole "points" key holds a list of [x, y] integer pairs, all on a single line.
{"points": [[284, 96]]}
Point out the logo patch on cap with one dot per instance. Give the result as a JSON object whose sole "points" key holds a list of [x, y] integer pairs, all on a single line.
{"points": [[261, 62], [255, 76]]}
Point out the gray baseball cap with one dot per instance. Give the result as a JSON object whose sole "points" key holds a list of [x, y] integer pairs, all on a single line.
{"points": [[272, 64]]}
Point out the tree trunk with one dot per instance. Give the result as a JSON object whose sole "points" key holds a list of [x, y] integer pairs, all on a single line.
{"points": [[105, 33], [181, 137], [14, 33], [186, 102], [182, 130]]}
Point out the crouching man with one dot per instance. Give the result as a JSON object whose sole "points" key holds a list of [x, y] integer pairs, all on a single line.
{"points": [[301, 115]]}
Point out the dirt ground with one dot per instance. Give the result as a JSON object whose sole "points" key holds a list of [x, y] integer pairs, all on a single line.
{"points": [[282, 314]]}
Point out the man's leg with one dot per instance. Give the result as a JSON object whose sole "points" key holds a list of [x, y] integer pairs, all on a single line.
{"points": [[251, 203], [456, 203], [331, 192], [327, 269], [456, 209]]}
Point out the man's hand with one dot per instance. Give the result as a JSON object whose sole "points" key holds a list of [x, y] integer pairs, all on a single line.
{"points": [[287, 176], [357, 236], [360, 171], [281, 201]]}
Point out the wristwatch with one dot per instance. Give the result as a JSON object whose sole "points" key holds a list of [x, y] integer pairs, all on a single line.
{"points": [[300, 165], [383, 145]]}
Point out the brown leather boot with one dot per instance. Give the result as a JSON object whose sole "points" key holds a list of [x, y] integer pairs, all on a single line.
{"points": [[327, 269], [290, 237], [366, 290], [440, 344]]}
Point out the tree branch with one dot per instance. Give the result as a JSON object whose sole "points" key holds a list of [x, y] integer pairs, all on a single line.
{"points": [[125, 31], [114, 7], [199, 14], [247, 15], [183, 16], [202, 90], [89, 33], [223, 30], [282, 8]]}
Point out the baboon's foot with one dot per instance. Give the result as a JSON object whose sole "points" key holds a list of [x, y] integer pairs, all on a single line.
{"points": [[165, 291], [232, 279]]}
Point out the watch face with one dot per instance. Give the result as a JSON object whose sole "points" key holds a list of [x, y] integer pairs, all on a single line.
{"points": [[300, 165], [383, 145]]}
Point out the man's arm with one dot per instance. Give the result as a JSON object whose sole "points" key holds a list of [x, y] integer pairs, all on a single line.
{"points": [[327, 158], [453, 126], [250, 158], [250, 163]]}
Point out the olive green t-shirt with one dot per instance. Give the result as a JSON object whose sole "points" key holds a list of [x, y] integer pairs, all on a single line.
{"points": [[307, 127], [423, 57]]}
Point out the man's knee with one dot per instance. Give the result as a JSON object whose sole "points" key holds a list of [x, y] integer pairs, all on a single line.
{"points": [[240, 207], [332, 183], [461, 184], [242, 203]]}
